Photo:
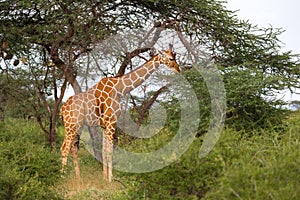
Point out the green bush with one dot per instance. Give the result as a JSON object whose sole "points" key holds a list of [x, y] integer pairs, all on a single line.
{"points": [[29, 169], [263, 164], [187, 178], [261, 167]]}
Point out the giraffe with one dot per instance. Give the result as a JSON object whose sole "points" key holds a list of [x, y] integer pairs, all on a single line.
{"points": [[100, 106]]}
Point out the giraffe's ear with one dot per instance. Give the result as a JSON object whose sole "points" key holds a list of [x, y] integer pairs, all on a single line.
{"points": [[170, 47]]}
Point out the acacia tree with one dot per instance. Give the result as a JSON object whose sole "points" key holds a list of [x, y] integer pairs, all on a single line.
{"points": [[68, 30]]}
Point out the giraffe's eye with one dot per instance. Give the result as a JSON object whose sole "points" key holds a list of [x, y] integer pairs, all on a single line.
{"points": [[172, 59]]}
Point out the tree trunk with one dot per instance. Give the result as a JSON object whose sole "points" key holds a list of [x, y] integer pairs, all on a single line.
{"points": [[96, 142], [55, 109], [53, 117]]}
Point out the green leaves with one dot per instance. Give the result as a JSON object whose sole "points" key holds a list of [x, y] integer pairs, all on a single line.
{"points": [[28, 169]]}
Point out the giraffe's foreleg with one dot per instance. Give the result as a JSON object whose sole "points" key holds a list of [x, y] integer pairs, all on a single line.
{"points": [[107, 159], [107, 152], [104, 158]]}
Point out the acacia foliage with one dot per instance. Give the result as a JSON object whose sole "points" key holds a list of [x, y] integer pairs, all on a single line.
{"points": [[249, 58]]}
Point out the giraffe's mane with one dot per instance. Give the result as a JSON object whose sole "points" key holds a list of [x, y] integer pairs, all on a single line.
{"points": [[117, 76]]}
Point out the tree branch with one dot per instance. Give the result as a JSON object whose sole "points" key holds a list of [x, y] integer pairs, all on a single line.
{"points": [[145, 107], [128, 58]]}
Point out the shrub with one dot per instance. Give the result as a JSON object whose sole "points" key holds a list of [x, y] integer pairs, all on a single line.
{"points": [[265, 166], [262, 164], [29, 169], [187, 178]]}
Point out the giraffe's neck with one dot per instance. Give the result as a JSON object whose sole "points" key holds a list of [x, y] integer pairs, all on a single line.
{"points": [[135, 78]]}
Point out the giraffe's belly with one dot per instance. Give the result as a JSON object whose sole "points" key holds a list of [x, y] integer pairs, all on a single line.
{"points": [[91, 121], [93, 118]]}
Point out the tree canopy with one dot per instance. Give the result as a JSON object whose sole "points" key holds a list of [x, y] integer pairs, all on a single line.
{"points": [[249, 58]]}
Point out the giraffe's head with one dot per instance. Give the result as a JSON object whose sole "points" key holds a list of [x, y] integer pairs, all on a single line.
{"points": [[168, 58]]}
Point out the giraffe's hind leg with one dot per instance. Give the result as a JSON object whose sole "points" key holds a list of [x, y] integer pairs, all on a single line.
{"points": [[69, 141], [74, 153], [64, 155]]}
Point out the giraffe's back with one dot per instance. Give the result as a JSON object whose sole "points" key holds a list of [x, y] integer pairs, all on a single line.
{"points": [[81, 109]]}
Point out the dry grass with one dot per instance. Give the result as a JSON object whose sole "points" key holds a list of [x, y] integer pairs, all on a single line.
{"points": [[91, 185]]}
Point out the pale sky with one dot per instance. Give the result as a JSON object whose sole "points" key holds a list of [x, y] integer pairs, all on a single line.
{"points": [[280, 14]]}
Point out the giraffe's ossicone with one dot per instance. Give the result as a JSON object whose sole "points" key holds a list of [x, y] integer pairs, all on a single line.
{"points": [[100, 106]]}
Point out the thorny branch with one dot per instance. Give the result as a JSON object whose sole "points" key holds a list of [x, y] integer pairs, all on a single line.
{"points": [[158, 27]]}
